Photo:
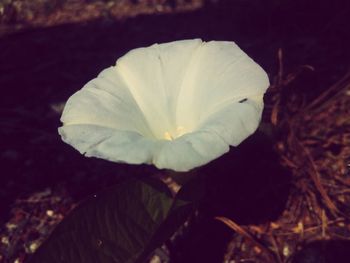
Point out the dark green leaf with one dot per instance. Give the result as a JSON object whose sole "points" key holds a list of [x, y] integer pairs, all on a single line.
{"points": [[121, 225]]}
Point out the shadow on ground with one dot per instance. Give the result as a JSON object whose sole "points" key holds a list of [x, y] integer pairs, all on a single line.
{"points": [[248, 186], [324, 252]]}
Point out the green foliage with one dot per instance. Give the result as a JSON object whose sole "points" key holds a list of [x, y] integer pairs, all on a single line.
{"points": [[123, 224]]}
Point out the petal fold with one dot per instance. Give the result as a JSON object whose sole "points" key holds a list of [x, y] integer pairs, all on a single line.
{"points": [[154, 76], [190, 151], [110, 144], [235, 122], [220, 72], [106, 101]]}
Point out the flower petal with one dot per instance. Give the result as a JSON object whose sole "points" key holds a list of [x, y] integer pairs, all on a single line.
{"points": [[229, 126], [177, 105], [154, 76], [220, 72], [107, 102], [110, 144], [190, 151], [236, 121]]}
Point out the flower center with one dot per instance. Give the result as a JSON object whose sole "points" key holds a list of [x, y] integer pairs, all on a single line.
{"points": [[180, 130]]}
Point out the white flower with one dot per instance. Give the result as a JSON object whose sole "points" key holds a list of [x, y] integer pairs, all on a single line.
{"points": [[176, 105]]}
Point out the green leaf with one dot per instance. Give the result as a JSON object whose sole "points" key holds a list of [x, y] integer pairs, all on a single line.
{"points": [[121, 225]]}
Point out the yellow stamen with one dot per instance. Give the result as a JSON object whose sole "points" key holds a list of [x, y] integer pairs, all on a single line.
{"points": [[180, 130], [167, 136]]}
